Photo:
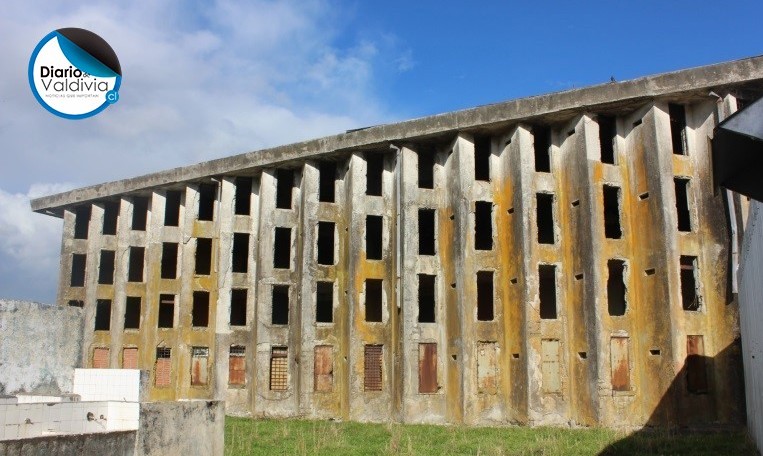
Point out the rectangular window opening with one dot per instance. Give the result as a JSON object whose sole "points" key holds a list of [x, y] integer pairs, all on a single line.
{"points": [[374, 300], [542, 148], [169, 260], [130, 358], [485, 310], [166, 311], [81, 222], [240, 257], [79, 261], [689, 292], [324, 302], [374, 174], [427, 231], [482, 158], [545, 218], [696, 369], [279, 368], [203, 256], [200, 311], [280, 305], [427, 306], [103, 315], [163, 368], [238, 297], [483, 225], [327, 181], [323, 369], [106, 267], [135, 267], [237, 365], [677, 115], [682, 204], [132, 312], [616, 288], [199, 364], [374, 224], [282, 248], [607, 135], [612, 229], [284, 186], [372, 367], [243, 196], [172, 208], [110, 217], [139, 213], [207, 197], [547, 291], [326, 243], [76, 303], [426, 168], [427, 368]]}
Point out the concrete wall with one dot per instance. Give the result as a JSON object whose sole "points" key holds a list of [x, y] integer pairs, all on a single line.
{"points": [[40, 345], [113, 443], [182, 428], [751, 319]]}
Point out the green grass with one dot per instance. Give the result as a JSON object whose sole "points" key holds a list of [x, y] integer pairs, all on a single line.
{"points": [[245, 436]]}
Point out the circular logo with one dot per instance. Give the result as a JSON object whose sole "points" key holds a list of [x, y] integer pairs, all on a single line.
{"points": [[74, 73]]}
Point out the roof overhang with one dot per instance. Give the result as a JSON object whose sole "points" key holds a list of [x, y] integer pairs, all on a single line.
{"points": [[738, 152]]}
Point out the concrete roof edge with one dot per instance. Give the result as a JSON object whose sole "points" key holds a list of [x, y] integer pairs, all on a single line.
{"points": [[716, 75]]}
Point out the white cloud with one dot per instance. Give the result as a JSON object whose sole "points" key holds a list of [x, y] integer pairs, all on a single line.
{"points": [[201, 80]]}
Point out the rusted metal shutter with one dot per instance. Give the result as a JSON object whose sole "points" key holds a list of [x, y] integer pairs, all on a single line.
{"points": [[100, 358], [324, 368], [372, 367], [487, 368], [163, 368], [427, 368], [620, 364], [696, 371], [130, 358], [237, 365], [550, 368], [279, 369], [199, 363]]}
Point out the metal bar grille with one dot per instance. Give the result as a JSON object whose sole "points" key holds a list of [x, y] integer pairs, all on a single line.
{"points": [[163, 368], [373, 368], [279, 369]]}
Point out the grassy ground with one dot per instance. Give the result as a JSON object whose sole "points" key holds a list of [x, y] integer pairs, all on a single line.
{"points": [[298, 437]]}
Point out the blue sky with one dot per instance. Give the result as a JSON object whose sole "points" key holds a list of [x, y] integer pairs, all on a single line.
{"points": [[207, 79]]}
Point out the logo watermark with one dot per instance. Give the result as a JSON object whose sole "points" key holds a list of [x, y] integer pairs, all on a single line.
{"points": [[74, 73]]}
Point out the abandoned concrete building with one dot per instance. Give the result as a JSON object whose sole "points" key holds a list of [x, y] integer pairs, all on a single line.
{"points": [[559, 259]]}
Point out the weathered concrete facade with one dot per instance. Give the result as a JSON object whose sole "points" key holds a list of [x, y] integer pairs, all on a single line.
{"points": [[552, 260]]}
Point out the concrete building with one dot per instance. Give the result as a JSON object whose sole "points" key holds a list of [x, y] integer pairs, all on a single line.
{"points": [[550, 260]]}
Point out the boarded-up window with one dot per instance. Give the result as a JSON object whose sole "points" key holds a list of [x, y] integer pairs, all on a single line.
{"points": [[132, 312], [166, 311], [427, 368], [243, 195], [110, 217], [81, 222], [620, 361], [100, 358], [689, 292], [324, 369], [199, 363], [103, 315], [172, 208], [79, 260], [207, 196], [169, 260], [135, 268], [106, 267], [284, 185], [372, 367], [374, 300], [279, 369], [200, 311], [550, 368], [163, 368], [139, 213], [203, 256], [487, 368], [130, 358], [237, 365], [238, 307], [696, 370]]}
